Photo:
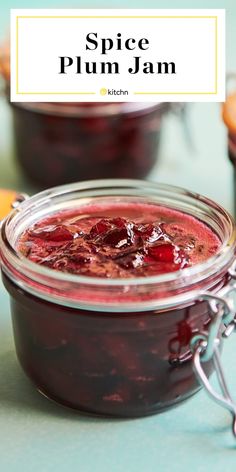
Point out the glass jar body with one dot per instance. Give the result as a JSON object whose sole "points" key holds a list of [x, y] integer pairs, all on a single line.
{"points": [[113, 364], [55, 148], [118, 347]]}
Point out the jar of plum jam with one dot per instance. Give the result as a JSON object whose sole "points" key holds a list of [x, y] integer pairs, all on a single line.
{"points": [[58, 143], [118, 288]]}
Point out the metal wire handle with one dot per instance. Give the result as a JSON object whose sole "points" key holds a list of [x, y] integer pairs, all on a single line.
{"points": [[205, 345], [225, 400]]}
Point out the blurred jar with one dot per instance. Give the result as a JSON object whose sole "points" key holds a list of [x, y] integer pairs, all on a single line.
{"points": [[229, 118], [58, 143]]}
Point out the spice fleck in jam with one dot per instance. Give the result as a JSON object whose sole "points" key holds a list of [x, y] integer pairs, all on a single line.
{"points": [[128, 241]]}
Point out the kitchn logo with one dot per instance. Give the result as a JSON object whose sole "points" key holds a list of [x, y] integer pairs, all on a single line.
{"points": [[104, 91]]}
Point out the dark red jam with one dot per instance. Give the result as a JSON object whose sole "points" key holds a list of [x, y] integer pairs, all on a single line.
{"points": [[144, 240], [122, 363], [57, 147]]}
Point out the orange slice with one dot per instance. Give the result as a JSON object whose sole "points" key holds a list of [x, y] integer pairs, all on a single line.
{"points": [[5, 62], [7, 197], [229, 113]]}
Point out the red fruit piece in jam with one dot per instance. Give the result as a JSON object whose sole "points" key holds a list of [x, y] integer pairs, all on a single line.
{"points": [[119, 237], [119, 222], [100, 228], [52, 233], [168, 253], [104, 226], [150, 233], [115, 232]]}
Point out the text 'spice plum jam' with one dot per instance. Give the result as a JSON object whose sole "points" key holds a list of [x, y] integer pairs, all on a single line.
{"points": [[106, 281]]}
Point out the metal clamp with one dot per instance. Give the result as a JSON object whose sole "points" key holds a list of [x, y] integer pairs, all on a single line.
{"points": [[205, 345]]}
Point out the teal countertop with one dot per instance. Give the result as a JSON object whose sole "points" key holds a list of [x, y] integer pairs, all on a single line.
{"points": [[39, 436]]}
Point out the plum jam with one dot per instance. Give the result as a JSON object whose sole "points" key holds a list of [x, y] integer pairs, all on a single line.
{"points": [[62, 143], [105, 281], [119, 242]]}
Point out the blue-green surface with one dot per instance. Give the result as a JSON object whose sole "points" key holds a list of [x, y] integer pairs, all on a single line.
{"points": [[37, 436]]}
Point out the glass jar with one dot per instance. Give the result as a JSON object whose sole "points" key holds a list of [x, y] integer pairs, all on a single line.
{"points": [[116, 347], [58, 143]]}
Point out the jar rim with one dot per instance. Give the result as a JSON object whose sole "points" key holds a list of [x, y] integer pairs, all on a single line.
{"points": [[96, 109], [183, 283]]}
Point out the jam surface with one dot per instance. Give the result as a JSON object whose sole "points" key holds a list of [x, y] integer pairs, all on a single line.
{"points": [[123, 241]]}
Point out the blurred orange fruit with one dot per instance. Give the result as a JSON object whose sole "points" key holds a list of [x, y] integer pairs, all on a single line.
{"points": [[229, 112], [5, 61], [7, 197]]}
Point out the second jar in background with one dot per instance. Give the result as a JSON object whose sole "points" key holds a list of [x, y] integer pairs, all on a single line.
{"points": [[59, 143]]}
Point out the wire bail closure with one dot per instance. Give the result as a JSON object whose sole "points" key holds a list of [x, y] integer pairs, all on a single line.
{"points": [[205, 345]]}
